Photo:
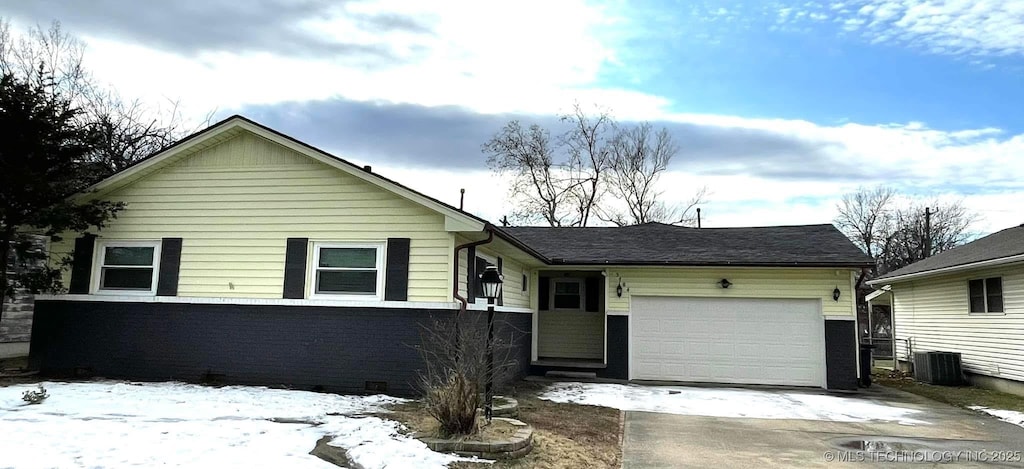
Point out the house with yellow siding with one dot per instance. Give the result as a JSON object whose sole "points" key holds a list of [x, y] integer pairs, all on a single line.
{"points": [[968, 300], [246, 256]]}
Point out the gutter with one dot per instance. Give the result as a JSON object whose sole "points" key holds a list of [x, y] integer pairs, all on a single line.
{"points": [[463, 302], [944, 270]]}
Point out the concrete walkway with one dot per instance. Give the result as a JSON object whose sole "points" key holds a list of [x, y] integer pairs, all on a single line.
{"points": [[655, 440]]}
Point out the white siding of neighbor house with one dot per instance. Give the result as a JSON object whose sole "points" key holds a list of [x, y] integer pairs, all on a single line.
{"points": [[235, 203], [933, 314]]}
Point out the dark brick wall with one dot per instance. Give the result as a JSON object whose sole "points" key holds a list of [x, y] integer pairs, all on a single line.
{"points": [[305, 347], [841, 355]]}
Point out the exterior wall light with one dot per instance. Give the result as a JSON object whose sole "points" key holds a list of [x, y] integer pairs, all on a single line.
{"points": [[490, 283], [725, 283], [836, 293]]}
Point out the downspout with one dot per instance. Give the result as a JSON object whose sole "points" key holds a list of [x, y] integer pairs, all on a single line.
{"points": [[463, 302]]}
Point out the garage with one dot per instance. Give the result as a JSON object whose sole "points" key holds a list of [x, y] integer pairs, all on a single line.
{"points": [[727, 340]]}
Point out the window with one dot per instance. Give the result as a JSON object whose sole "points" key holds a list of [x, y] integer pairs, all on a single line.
{"points": [[352, 270], [986, 295], [128, 267], [524, 283], [567, 294]]}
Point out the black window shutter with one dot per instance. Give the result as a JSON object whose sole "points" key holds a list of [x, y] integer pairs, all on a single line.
{"points": [[295, 268], [396, 280], [81, 264], [471, 273], [592, 295], [481, 266], [501, 294], [170, 261], [543, 290]]}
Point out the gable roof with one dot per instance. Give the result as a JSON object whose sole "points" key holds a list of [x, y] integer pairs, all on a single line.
{"points": [[660, 244], [1000, 247], [233, 126]]}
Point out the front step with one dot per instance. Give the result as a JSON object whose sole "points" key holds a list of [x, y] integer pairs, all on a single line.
{"points": [[571, 374]]}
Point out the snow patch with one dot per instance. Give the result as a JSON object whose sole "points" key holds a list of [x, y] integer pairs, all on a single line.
{"points": [[1011, 416], [718, 402], [122, 424]]}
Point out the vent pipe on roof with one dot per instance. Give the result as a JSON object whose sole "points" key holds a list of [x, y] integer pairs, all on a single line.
{"points": [[698, 217], [462, 197], [368, 169]]}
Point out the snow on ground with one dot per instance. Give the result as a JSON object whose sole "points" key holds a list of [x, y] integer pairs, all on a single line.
{"points": [[121, 424], [729, 402], [1012, 416]]}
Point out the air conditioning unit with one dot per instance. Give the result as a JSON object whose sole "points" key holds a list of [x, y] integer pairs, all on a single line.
{"points": [[942, 368]]}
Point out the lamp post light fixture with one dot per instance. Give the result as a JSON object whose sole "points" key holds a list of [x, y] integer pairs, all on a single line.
{"points": [[490, 283]]}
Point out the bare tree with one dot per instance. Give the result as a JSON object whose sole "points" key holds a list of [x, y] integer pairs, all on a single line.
{"points": [[922, 230], [897, 233], [129, 130], [581, 175], [539, 186], [639, 156], [866, 217], [589, 143]]}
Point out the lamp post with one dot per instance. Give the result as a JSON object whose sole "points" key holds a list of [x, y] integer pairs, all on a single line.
{"points": [[490, 283]]}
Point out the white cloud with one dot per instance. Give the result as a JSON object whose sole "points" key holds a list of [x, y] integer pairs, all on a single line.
{"points": [[528, 56], [501, 59], [949, 27]]}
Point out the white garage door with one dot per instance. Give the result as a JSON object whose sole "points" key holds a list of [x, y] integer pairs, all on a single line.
{"points": [[724, 340]]}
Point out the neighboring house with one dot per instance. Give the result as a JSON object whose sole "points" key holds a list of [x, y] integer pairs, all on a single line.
{"points": [[246, 256], [969, 299]]}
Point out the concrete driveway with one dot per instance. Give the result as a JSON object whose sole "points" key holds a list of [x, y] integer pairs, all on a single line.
{"points": [[950, 436]]}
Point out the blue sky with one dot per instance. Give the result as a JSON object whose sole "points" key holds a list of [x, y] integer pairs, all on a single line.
{"points": [[778, 107]]}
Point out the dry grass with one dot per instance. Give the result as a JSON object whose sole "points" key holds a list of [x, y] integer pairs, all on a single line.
{"points": [[565, 435], [960, 396]]}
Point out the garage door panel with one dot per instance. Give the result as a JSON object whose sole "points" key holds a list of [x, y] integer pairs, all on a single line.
{"points": [[756, 341]]}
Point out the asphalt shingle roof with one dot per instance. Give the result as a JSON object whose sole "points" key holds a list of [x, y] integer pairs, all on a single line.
{"points": [[659, 244], [1005, 243]]}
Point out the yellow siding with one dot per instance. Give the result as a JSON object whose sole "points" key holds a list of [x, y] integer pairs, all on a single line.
{"points": [[933, 314], [570, 334], [747, 283], [234, 204], [512, 288]]}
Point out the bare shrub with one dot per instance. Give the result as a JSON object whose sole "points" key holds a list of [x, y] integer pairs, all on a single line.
{"points": [[454, 352]]}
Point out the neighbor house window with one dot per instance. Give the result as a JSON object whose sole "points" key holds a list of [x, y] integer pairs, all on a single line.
{"points": [[567, 294], [128, 267], [348, 270], [986, 295]]}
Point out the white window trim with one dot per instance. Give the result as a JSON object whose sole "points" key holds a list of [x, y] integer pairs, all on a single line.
{"points": [[100, 254], [984, 291], [314, 266], [479, 300], [583, 295]]}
